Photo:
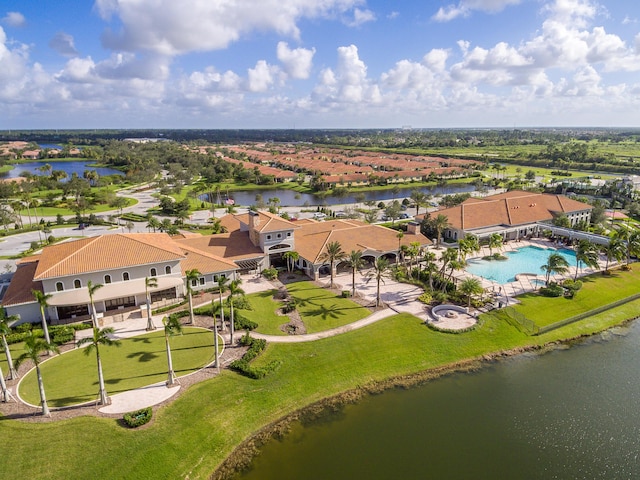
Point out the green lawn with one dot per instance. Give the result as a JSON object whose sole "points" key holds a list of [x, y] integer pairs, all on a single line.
{"points": [[53, 211], [597, 290], [264, 313], [191, 436], [321, 309], [72, 377]]}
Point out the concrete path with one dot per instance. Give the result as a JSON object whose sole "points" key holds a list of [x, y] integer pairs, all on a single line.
{"points": [[139, 398], [310, 337]]}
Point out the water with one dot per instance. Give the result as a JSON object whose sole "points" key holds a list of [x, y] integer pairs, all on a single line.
{"points": [[295, 199], [523, 260], [69, 168], [568, 414], [51, 146]]}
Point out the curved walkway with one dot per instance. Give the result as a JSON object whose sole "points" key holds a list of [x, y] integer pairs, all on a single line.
{"points": [[309, 337], [139, 398]]}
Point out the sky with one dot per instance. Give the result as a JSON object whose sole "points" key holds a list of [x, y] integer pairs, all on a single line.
{"points": [[209, 64]]}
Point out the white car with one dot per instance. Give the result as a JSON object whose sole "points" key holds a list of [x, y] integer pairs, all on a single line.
{"points": [[319, 216]]}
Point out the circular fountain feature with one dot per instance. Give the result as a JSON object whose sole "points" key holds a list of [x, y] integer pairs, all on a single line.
{"points": [[451, 318]]}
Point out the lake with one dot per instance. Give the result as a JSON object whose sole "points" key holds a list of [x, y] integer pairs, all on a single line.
{"points": [[294, 199], [568, 414], [69, 168]]}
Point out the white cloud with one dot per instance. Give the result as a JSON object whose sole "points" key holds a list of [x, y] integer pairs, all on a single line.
{"points": [[261, 77], [169, 27], [13, 19], [466, 7], [360, 17], [63, 44], [297, 62]]}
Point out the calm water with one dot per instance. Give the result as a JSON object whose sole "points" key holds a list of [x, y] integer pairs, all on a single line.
{"points": [[568, 414], [69, 167], [288, 197], [524, 260]]}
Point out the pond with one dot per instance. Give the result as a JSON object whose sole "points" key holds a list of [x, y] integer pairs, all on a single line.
{"points": [[292, 198], [568, 414], [77, 167]]}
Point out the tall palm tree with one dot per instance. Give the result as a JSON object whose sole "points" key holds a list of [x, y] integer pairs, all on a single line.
{"points": [[291, 258], [149, 282], [468, 245], [191, 276], [222, 288], [42, 300], [586, 254], [5, 394], [440, 223], [333, 253], [214, 308], [381, 270], [469, 287], [556, 263], [172, 326], [5, 330], [419, 199], [614, 250], [99, 337], [234, 291], [354, 262], [92, 288], [33, 347]]}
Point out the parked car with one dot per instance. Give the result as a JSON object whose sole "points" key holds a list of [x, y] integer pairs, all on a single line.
{"points": [[341, 214], [319, 216], [404, 216]]}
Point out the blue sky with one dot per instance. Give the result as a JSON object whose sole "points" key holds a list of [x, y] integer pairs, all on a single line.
{"points": [[318, 63]]}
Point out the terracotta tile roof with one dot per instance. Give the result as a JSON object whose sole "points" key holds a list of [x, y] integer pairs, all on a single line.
{"points": [[204, 262], [228, 246], [311, 239], [106, 252], [510, 208], [229, 222], [22, 283], [268, 222]]}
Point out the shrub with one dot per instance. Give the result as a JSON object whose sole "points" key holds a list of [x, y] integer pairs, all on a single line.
{"points": [[553, 290], [62, 334], [138, 418], [426, 298], [290, 305], [571, 287], [270, 273], [242, 323], [169, 307], [256, 347], [346, 293], [242, 303]]}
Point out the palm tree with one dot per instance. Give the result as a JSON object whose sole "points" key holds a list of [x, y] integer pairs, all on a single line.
{"points": [[214, 307], [5, 394], [586, 254], [468, 245], [190, 277], [495, 241], [381, 270], [33, 347], [333, 253], [234, 291], [614, 250], [556, 263], [5, 330], [42, 299], [291, 258], [222, 288], [99, 337], [354, 262], [440, 223], [153, 223], [92, 290], [419, 199], [172, 326], [470, 287], [149, 282]]}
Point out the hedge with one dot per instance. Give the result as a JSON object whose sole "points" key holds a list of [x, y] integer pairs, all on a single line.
{"points": [[138, 418], [256, 347]]}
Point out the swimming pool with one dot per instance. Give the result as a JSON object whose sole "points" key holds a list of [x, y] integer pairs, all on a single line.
{"points": [[523, 260]]}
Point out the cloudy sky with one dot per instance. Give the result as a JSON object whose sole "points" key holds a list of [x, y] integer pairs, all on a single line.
{"points": [[318, 63]]}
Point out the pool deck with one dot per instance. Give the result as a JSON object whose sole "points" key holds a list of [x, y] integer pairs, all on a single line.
{"points": [[506, 293]]}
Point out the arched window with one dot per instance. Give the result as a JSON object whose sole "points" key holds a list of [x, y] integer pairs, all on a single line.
{"points": [[59, 287], [77, 283], [125, 276], [107, 279], [154, 272], [167, 270]]}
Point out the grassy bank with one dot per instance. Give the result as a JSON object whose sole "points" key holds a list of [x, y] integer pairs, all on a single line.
{"points": [[193, 435]]}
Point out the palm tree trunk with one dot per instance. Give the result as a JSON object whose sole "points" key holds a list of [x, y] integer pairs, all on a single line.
{"points": [[4, 391], [222, 327], [231, 323], [171, 379], [13, 373], [215, 343], [378, 293], [43, 398], [353, 282], [150, 324], [104, 399], [45, 329], [191, 308]]}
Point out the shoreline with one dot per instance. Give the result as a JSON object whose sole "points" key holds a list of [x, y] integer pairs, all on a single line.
{"points": [[244, 453]]}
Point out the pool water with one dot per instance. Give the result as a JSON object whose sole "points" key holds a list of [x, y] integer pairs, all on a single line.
{"points": [[524, 260]]}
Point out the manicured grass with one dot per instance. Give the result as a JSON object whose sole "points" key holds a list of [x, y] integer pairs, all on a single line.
{"points": [[72, 377], [264, 313], [321, 309], [53, 211], [191, 436], [597, 290], [5, 168]]}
